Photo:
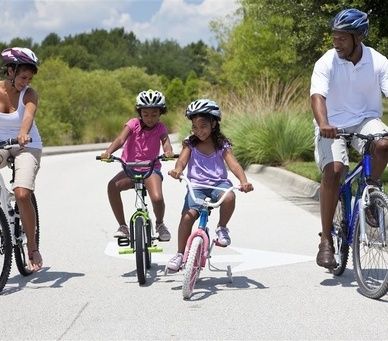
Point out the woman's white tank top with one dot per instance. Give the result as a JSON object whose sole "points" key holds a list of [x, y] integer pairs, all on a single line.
{"points": [[10, 124]]}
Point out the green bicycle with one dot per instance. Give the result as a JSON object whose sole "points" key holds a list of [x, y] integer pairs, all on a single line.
{"points": [[142, 242]]}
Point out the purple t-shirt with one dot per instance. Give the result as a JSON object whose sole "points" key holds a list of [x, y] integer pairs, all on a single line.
{"points": [[207, 169], [143, 144]]}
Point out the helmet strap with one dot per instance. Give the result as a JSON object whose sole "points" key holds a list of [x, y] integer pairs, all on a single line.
{"points": [[14, 75]]}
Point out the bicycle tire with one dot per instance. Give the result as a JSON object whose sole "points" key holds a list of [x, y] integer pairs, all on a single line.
{"points": [[20, 249], [371, 261], [140, 249], [192, 267], [5, 250], [148, 254], [340, 236]]}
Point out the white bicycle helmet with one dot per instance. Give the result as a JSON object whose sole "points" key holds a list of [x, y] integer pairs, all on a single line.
{"points": [[150, 99], [203, 106]]}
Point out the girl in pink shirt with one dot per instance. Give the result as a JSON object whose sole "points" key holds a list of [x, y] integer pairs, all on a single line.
{"points": [[141, 139]]}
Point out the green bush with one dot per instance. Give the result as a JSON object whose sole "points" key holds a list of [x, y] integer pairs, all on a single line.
{"points": [[272, 139]]}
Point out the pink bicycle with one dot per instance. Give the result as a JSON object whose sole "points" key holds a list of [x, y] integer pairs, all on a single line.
{"points": [[198, 247]]}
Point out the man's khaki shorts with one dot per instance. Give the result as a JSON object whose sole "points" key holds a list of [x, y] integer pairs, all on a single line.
{"points": [[335, 150], [27, 164]]}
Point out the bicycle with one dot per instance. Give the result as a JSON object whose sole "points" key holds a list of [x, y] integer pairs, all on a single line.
{"points": [[360, 221], [198, 247], [142, 242], [12, 235]]}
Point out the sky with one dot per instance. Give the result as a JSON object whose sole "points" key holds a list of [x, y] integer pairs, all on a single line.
{"points": [[184, 21]]}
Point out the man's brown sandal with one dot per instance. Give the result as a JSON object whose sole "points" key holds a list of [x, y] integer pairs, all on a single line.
{"points": [[325, 256]]}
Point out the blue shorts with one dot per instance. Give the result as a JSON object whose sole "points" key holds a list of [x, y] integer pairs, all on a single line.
{"points": [[202, 193]]}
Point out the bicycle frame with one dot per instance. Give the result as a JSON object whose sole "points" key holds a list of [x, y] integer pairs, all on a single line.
{"points": [[362, 172], [6, 197], [202, 230]]}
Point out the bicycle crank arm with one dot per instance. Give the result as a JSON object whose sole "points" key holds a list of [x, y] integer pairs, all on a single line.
{"points": [[126, 251], [155, 249]]}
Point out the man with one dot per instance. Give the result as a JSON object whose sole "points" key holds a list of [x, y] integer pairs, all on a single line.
{"points": [[346, 87]]}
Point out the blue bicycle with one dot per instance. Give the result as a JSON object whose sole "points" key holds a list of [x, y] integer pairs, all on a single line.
{"points": [[360, 221]]}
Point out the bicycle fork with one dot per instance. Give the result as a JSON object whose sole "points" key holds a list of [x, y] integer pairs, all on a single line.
{"points": [[364, 203]]}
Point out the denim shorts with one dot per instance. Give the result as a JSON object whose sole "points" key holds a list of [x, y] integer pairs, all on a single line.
{"points": [[202, 193], [156, 171]]}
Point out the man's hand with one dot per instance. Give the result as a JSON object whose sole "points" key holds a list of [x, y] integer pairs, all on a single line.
{"points": [[328, 131]]}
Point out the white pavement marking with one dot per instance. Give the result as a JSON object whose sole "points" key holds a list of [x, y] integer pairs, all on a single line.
{"points": [[244, 259]]}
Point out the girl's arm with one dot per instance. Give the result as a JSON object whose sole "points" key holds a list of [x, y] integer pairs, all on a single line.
{"points": [[117, 143], [31, 103], [166, 145], [237, 170], [181, 163]]}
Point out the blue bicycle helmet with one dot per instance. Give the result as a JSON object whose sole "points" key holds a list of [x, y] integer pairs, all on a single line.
{"points": [[352, 21]]}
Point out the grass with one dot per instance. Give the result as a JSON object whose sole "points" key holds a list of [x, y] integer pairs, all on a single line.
{"points": [[310, 170]]}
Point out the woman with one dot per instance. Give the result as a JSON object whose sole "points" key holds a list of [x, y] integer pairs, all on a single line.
{"points": [[18, 106]]}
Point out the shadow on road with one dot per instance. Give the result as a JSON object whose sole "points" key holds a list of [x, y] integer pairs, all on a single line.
{"points": [[208, 286], [41, 279], [346, 280], [154, 274]]}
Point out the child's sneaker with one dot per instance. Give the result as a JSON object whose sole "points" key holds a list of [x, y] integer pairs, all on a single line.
{"points": [[175, 262], [223, 236], [122, 232], [162, 231]]}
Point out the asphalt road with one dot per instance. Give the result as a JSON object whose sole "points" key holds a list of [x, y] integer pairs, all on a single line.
{"points": [[86, 291]]}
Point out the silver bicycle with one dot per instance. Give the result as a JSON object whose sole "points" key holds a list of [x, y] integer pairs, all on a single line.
{"points": [[12, 236]]}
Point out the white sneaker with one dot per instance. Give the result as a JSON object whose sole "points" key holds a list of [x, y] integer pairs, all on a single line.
{"points": [[163, 232], [175, 262], [223, 236], [122, 232]]}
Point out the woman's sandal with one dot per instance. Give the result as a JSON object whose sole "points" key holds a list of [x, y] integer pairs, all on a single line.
{"points": [[35, 260]]}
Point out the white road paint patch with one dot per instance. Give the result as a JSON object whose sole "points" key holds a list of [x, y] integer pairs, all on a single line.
{"points": [[242, 260]]}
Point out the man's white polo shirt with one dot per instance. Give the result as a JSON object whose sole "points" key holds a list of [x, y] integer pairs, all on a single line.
{"points": [[353, 92]]}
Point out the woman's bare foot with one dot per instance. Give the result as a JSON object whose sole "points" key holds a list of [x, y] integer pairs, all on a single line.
{"points": [[36, 261]]}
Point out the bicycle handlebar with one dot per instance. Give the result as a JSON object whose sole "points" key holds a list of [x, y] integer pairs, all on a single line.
{"points": [[10, 142], [369, 137], [203, 202], [129, 167]]}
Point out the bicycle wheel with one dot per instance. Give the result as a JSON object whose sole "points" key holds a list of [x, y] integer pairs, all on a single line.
{"points": [[192, 267], [371, 260], [5, 250], [340, 233], [140, 249], [148, 243], [20, 249]]}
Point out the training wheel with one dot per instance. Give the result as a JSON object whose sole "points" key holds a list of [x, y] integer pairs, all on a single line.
{"points": [[229, 273]]}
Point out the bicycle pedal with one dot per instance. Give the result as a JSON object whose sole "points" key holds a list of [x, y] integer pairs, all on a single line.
{"points": [[126, 251], [155, 248], [122, 241]]}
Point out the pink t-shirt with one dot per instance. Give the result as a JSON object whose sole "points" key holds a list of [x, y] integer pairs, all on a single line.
{"points": [[143, 144]]}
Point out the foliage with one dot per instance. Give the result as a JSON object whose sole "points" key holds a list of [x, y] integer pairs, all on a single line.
{"points": [[284, 38], [272, 139]]}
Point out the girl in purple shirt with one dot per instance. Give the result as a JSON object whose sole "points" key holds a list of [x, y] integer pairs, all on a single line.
{"points": [[205, 153], [141, 139]]}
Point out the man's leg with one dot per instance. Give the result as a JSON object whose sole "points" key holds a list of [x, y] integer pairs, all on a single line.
{"points": [[329, 189]]}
